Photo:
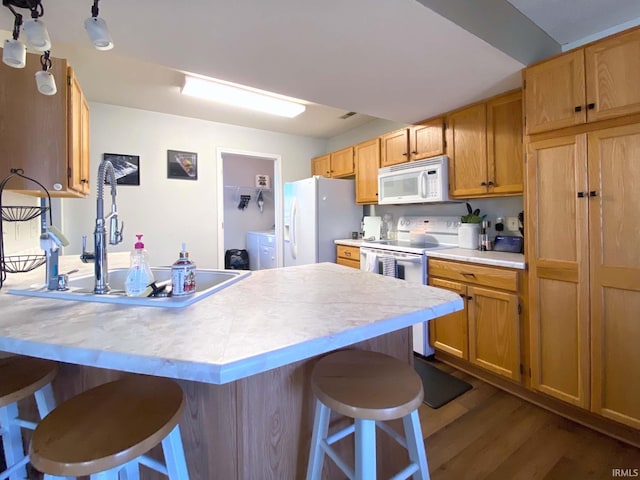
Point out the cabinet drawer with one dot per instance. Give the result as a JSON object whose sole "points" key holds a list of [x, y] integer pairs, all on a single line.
{"points": [[347, 262], [348, 252], [474, 274]]}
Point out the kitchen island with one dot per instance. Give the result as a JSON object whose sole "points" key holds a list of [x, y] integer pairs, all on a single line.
{"points": [[243, 355]]}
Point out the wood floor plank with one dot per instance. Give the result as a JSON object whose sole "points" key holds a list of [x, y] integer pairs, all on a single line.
{"points": [[504, 437], [537, 456], [455, 437], [487, 434], [432, 420]]}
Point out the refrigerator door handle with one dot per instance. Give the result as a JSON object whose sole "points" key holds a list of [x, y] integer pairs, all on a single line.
{"points": [[292, 227]]}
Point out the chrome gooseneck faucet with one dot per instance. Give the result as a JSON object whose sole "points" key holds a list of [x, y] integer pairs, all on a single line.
{"points": [[100, 233]]}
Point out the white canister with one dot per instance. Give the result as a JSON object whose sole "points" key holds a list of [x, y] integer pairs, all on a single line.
{"points": [[468, 235]]}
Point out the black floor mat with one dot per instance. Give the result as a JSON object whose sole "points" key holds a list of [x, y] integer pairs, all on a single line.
{"points": [[439, 387]]}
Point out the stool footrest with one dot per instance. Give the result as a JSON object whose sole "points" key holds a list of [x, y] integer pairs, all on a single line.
{"points": [[153, 464], [339, 435], [392, 433], [14, 468], [337, 459]]}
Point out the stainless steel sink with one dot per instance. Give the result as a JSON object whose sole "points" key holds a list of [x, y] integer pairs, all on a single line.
{"points": [[81, 288]]}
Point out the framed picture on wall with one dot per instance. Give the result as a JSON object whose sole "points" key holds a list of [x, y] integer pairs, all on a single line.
{"points": [[182, 165], [126, 167]]}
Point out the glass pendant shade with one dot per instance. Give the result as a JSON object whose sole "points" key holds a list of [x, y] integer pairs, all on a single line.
{"points": [[98, 33], [46, 82], [37, 35], [14, 53]]}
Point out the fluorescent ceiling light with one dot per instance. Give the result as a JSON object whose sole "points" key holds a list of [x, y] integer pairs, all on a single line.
{"points": [[238, 96]]}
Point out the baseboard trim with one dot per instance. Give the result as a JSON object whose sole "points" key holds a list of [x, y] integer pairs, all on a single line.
{"points": [[600, 424]]}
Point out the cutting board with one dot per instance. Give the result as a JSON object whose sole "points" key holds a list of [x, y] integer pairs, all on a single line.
{"points": [[371, 229]]}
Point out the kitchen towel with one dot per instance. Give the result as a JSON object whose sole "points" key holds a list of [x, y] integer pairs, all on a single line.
{"points": [[371, 262], [389, 267]]}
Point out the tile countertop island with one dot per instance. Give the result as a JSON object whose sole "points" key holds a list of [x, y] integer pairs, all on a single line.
{"points": [[243, 355]]}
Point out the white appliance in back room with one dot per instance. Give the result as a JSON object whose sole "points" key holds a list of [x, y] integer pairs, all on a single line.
{"points": [[317, 211]]}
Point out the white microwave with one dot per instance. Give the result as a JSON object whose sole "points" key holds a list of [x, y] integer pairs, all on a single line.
{"points": [[423, 181]]}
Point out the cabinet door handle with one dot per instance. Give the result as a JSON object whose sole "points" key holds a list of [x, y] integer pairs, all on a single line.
{"points": [[580, 194], [469, 297], [490, 183], [462, 295], [347, 254], [484, 184], [404, 154], [591, 106], [577, 108], [468, 274], [593, 193], [415, 152], [84, 180]]}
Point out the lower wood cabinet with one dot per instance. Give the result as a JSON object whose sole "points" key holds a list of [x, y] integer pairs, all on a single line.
{"points": [[487, 331], [348, 256]]}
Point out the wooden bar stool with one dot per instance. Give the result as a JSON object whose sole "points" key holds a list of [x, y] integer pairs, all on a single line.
{"points": [[104, 432], [371, 388], [21, 377]]}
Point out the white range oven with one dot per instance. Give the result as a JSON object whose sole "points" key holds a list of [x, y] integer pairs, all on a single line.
{"points": [[404, 258]]}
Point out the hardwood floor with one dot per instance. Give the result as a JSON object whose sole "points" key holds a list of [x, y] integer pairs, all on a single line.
{"points": [[489, 434]]}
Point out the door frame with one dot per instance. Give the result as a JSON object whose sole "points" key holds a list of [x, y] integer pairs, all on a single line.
{"points": [[277, 197]]}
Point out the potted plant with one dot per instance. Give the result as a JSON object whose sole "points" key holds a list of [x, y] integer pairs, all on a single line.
{"points": [[469, 229]]}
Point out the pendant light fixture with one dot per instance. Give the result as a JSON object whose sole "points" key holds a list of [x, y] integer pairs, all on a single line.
{"points": [[97, 29], [14, 53], [44, 78]]}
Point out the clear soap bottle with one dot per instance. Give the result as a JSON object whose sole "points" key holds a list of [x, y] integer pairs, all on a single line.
{"points": [[183, 275], [140, 275]]}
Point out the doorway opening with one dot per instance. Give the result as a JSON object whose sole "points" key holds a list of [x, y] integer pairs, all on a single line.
{"points": [[249, 199]]}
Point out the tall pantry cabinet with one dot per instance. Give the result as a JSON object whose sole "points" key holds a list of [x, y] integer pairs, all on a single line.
{"points": [[585, 269]]}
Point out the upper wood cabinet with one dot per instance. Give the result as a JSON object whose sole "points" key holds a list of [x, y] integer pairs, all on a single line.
{"points": [[321, 166], [342, 164], [367, 159], [334, 165], [78, 132], [484, 145], [46, 136], [427, 139], [394, 147], [414, 143], [467, 150], [593, 83]]}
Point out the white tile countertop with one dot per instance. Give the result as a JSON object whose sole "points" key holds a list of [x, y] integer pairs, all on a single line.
{"points": [[498, 259], [349, 242], [269, 319]]}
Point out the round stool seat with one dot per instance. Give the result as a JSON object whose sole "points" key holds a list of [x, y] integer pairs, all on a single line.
{"points": [[106, 426], [367, 385], [21, 377]]}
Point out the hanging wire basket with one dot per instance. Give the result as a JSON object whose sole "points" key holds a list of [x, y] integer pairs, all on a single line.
{"points": [[20, 263], [22, 214]]}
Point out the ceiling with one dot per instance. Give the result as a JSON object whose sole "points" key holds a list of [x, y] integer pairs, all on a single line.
{"points": [[403, 61]]}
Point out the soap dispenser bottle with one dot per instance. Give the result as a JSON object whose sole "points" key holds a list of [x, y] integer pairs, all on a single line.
{"points": [[183, 275], [140, 276]]}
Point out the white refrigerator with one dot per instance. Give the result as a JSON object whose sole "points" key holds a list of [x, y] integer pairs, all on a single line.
{"points": [[317, 211]]}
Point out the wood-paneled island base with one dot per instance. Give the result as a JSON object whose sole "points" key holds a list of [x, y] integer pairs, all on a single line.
{"points": [[243, 356]]}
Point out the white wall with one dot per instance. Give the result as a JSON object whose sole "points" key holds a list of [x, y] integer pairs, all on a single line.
{"points": [[170, 211], [364, 132]]}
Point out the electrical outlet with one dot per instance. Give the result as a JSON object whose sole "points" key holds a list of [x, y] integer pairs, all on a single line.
{"points": [[512, 224]]}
